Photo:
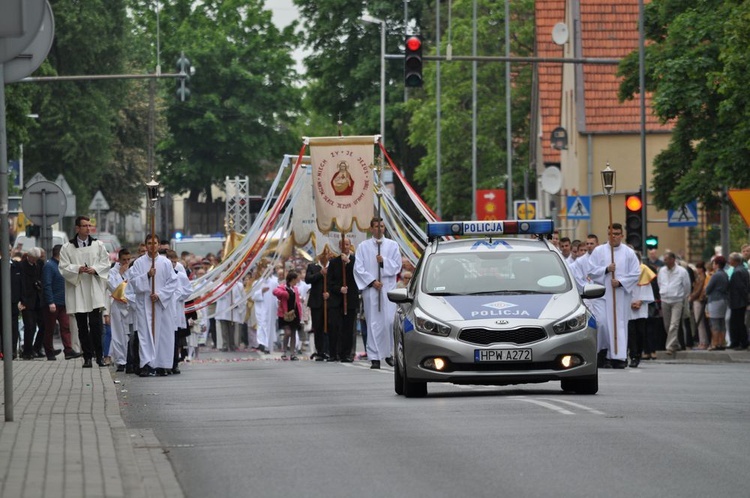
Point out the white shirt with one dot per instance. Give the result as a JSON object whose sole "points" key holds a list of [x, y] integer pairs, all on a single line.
{"points": [[674, 284]]}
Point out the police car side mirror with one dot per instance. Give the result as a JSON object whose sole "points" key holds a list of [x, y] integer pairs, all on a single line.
{"points": [[399, 296], [593, 291]]}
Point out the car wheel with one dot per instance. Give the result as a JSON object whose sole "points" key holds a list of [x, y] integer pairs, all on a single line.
{"points": [[585, 385], [398, 379], [413, 389]]}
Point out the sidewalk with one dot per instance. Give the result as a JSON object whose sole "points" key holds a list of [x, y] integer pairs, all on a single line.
{"points": [[68, 439], [691, 356]]}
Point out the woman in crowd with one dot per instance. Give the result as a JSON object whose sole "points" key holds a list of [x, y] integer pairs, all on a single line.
{"points": [[717, 293], [289, 313], [698, 304]]}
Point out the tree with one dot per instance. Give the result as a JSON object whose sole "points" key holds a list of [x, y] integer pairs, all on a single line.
{"points": [[456, 109], [343, 70], [697, 69], [243, 97], [76, 133]]}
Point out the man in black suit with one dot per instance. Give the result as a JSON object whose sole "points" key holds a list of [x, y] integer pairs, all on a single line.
{"points": [[739, 287], [315, 276], [15, 299], [31, 304], [342, 288]]}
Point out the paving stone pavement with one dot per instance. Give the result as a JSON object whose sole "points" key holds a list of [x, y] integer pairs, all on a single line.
{"points": [[68, 439]]}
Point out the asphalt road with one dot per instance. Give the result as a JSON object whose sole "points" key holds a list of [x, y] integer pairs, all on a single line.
{"points": [[267, 428]]}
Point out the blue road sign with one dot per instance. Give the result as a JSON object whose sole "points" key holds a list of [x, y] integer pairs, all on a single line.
{"points": [[579, 207], [685, 216]]}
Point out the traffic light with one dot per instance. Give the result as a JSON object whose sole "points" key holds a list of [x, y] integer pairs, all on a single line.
{"points": [[183, 81], [634, 221], [33, 230], [413, 61], [652, 242]]}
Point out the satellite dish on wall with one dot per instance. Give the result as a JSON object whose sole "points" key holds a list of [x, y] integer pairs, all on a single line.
{"points": [[560, 33], [552, 180]]}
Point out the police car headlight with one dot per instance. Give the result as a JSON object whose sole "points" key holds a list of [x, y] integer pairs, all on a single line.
{"points": [[431, 326], [571, 324]]}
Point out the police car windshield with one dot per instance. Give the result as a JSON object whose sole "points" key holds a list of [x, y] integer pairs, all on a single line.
{"points": [[533, 272]]}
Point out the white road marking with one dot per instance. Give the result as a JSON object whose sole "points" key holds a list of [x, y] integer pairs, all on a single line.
{"points": [[577, 405], [544, 404]]}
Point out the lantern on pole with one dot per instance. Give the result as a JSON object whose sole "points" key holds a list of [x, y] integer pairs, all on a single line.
{"points": [[152, 188], [608, 185]]}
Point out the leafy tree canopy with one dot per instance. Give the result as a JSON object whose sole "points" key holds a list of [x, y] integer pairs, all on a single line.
{"points": [[697, 66]]}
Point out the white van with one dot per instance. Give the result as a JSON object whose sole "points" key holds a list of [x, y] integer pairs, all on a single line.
{"points": [[200, 245], [24, 243]]}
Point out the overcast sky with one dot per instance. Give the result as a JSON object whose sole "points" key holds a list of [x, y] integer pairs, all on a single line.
{"points": [[284, 12]]}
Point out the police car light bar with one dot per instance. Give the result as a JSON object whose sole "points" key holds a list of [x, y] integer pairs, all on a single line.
{"points": [[493, 227]]}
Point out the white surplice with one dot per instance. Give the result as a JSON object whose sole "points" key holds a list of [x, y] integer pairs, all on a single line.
{"points": [[83, 292], [157, 348], [266, 306], [379, 311], [120, 317], [627, 272]]}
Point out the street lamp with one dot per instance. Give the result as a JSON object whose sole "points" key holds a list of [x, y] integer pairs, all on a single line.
{"points": [[374, 20], [608, 185], [152, 188]]}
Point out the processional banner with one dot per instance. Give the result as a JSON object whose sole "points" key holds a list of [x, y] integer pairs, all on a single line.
{"points": [[304, 222], [342, 181]]}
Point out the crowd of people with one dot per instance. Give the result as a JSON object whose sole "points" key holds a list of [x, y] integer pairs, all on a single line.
{"points": [[131, 314], [660, 302]]}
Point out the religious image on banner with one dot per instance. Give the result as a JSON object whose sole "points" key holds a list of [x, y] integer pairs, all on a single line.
{"points": [[342, 182]]}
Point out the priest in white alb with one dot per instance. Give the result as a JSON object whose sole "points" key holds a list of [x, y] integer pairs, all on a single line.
{"points": [[156, 345], [376, 267], [619, 277]]}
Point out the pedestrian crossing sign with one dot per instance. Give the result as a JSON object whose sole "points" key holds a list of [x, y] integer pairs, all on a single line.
{"points": [[579, 207], [684, 216]]}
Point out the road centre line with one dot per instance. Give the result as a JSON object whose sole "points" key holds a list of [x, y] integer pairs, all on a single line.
{"points": [[577, 405], [544, 404]]}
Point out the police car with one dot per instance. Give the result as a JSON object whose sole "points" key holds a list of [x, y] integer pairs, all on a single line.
{"points": [[492, 310]]}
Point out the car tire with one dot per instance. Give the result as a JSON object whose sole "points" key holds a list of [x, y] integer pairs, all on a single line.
{"points": [[398, 378], [584, 385], [412, 389]]}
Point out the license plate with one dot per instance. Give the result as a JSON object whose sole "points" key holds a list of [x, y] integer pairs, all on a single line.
{"points": [[501, 355]]}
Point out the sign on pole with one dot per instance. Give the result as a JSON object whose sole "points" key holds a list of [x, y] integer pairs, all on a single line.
{"points": [[525, 210], [579, 207], [741, 200], [685, 216], [491, 204]]}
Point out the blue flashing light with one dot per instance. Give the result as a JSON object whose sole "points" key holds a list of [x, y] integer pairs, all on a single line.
{"points": [[492, 227], [178, 235]]}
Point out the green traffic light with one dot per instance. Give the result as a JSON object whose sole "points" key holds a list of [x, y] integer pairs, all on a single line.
{"points": [[652, 242]]}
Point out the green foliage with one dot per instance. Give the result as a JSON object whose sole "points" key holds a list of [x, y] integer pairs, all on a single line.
{"points": [[243, 99], [456, 109], [697, 68]]}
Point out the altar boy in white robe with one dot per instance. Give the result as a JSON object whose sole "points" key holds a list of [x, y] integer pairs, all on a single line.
{"points": [[156, 346], [376, 267], [121, 317], [620, 279], [184, 290]]}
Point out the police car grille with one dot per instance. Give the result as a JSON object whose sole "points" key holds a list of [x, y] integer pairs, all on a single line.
{"points": [[516, 336]]}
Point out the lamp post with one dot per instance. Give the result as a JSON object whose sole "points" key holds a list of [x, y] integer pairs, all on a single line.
{"points": [[608, 185], [368, 18], [153, 195]]}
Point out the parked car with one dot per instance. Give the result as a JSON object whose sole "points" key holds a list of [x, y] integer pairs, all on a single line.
{"points": [[111, 242]]}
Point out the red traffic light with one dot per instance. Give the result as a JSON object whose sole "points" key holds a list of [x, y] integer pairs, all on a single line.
{"points": [[634, 203], [413, 43]]}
